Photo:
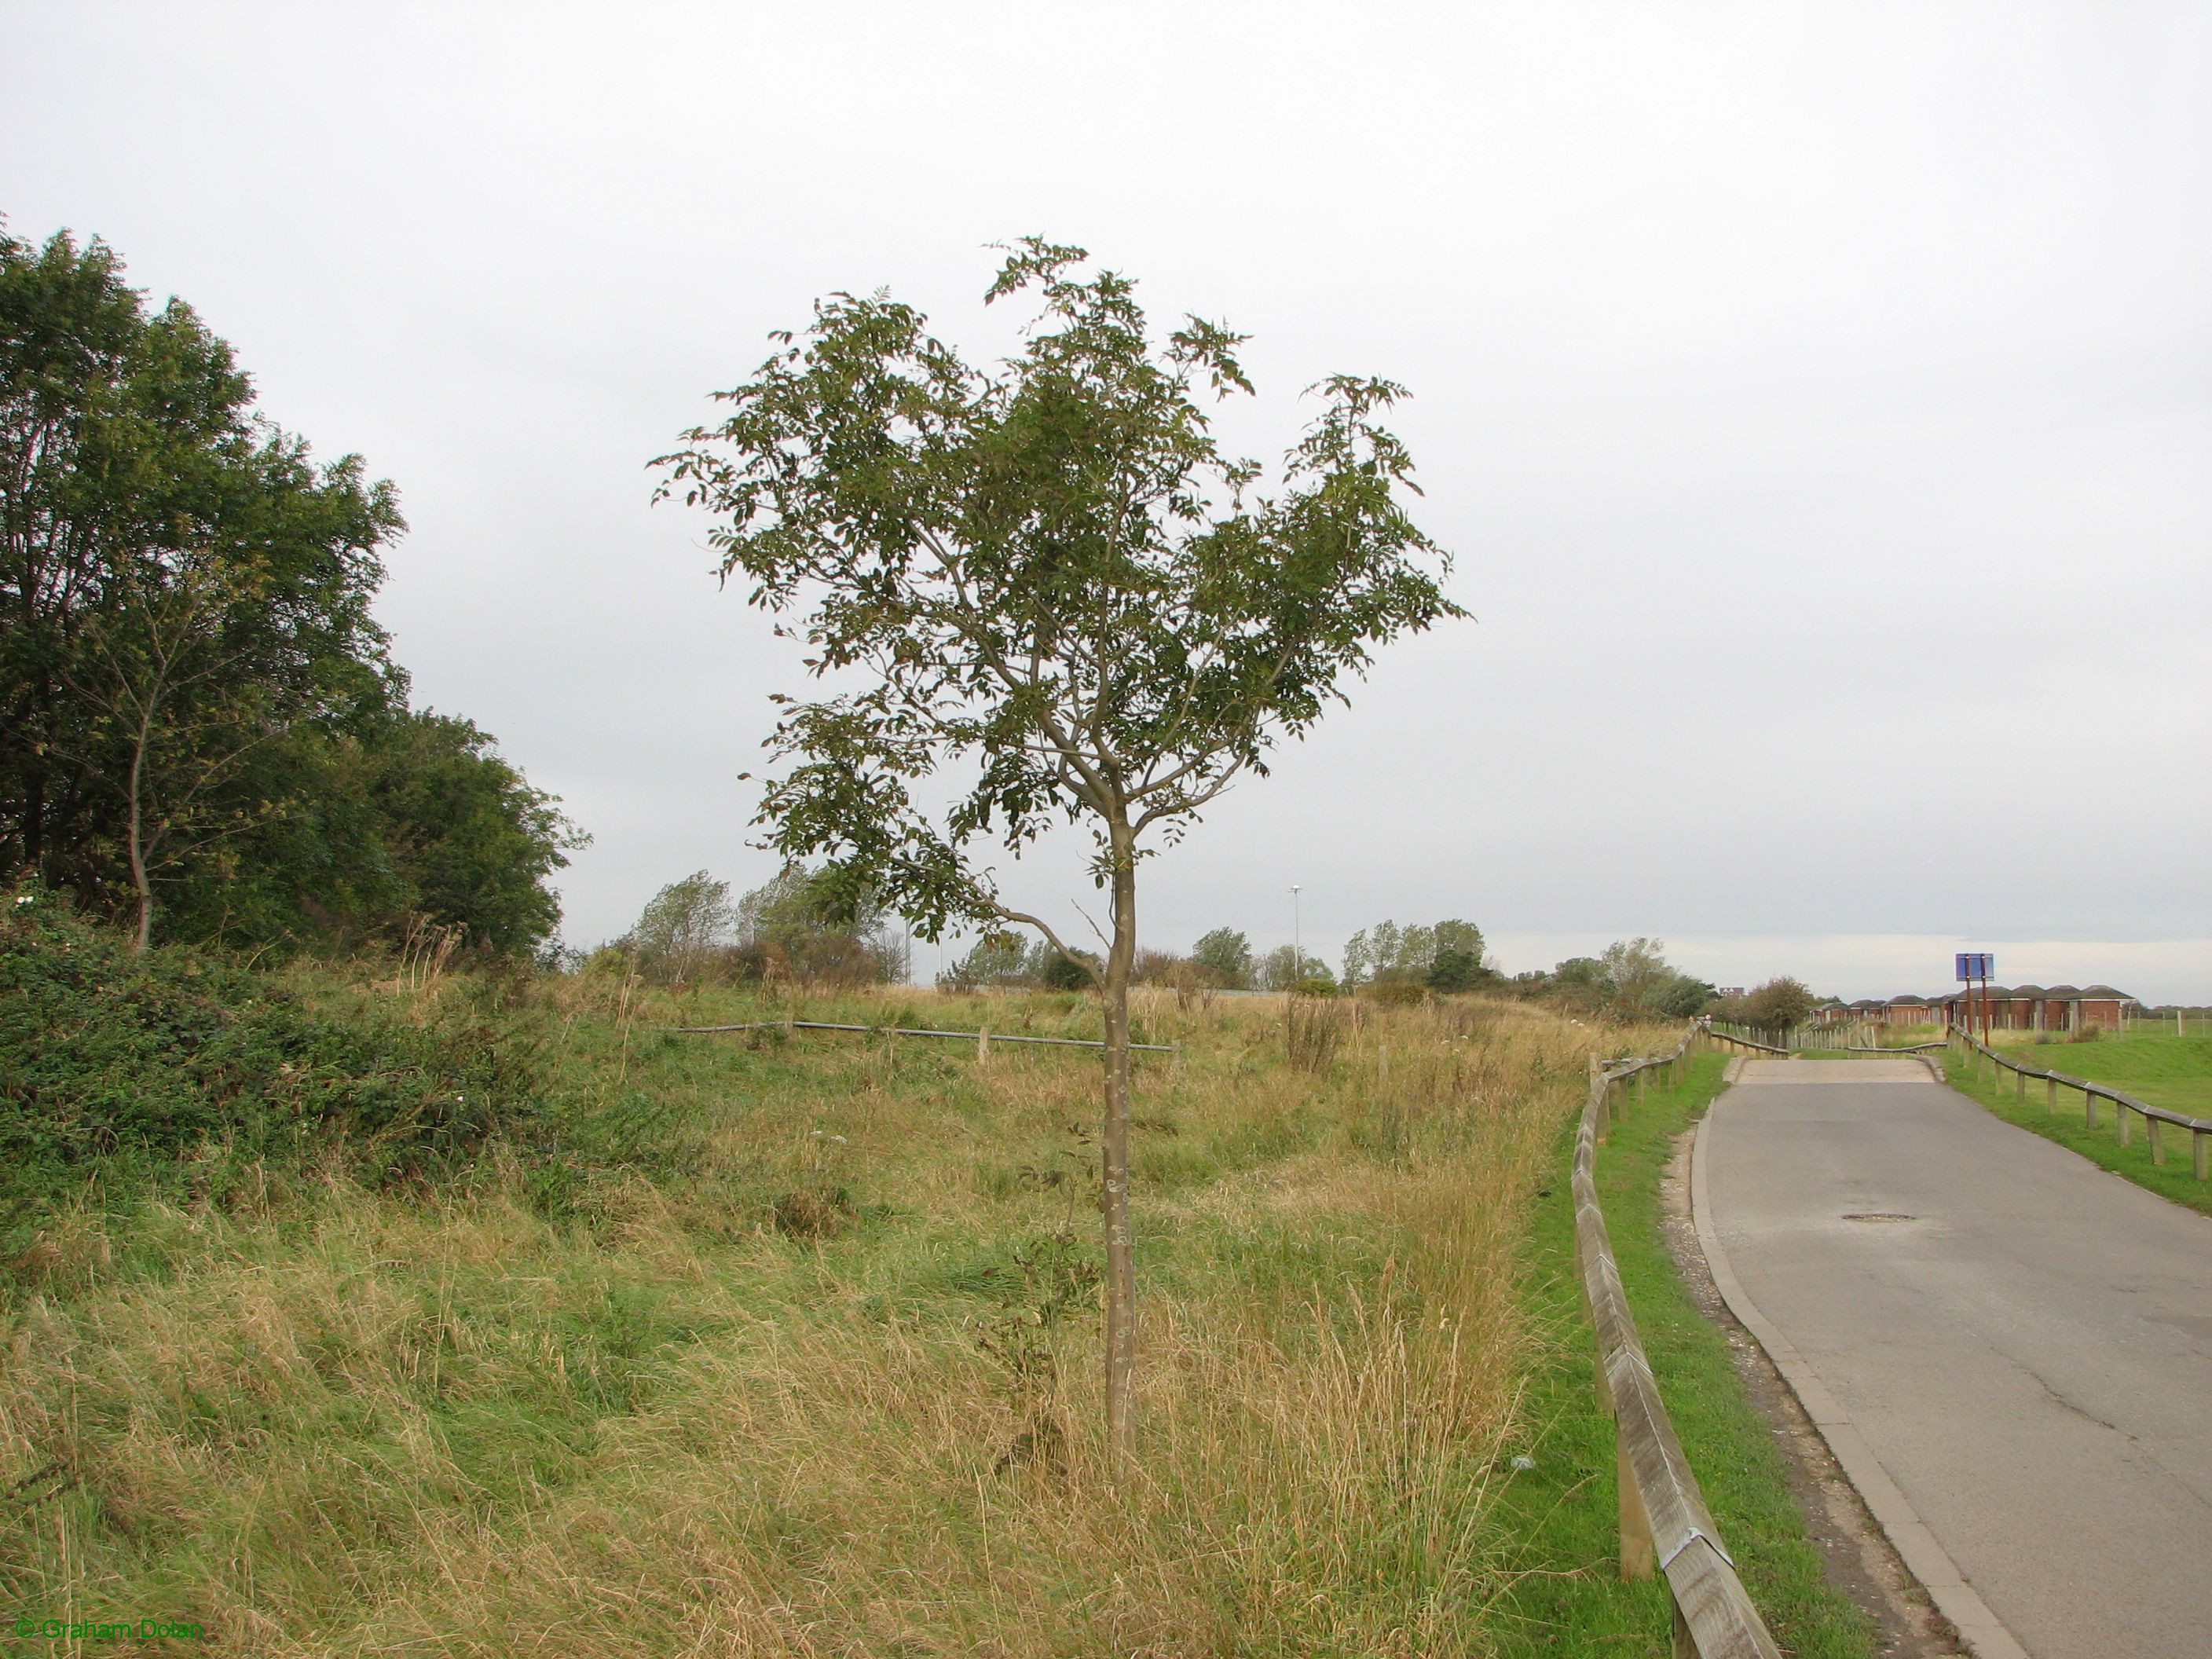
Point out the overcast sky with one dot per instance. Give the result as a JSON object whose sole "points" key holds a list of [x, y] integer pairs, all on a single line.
{"points": [[1816, 399]]}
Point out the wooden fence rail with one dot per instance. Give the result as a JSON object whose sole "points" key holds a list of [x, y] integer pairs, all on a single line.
{"points": [[2156, 1119], [983, 1039], [1742, 1044], [1664, 1523]]}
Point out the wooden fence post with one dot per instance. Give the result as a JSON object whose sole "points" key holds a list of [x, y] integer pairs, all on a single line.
{"points": [[2200, 1144], [2120, 1111], [2089, 1107], [2152, 1126], [983, 1048], [1637, 1558], [2051, 1095]]}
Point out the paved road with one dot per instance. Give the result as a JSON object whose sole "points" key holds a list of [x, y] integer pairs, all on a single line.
{"points": [[2022, 1341]]}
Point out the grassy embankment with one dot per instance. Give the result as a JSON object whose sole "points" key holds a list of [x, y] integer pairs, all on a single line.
{"points": [[2158, 1068], [632, 1343], [1566, 1508], [480, 1317]]}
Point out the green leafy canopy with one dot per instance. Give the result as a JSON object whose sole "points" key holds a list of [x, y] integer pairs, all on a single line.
{"points": [[197, 704], [1046, 572]]}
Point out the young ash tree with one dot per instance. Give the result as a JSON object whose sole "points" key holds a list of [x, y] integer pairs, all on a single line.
{"points": [[162, 672], [1045, 579]]}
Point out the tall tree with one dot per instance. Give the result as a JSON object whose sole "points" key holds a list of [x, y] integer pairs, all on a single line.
{"points": [[1226, 956], [1387, 951], [141, 497], [808, 927], [475, 842], [1636, 971], [1285, 968], [682, 923], [195, 700], [1779, 1004], [1046, 572]]}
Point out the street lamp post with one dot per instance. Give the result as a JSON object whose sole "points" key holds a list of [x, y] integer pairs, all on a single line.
{"points": [[1297, 942]]}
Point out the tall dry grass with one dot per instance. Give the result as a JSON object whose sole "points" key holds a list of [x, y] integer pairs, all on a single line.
{"points": [[686, 1412]]}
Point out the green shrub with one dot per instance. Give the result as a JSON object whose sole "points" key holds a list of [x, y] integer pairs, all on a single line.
{"points": [[1396, 992], [175, 1071]]}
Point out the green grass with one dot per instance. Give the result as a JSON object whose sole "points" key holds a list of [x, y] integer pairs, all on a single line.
{"points": [[2156, 1066], [790, 1338], [2162, 1070], [775, 1343], [1569, 1597]]}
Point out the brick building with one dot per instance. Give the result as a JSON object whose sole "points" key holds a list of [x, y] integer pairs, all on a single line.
{"points": [[2040, 1007], [1906, 1010]]}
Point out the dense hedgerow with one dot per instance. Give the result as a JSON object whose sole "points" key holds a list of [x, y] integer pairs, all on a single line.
{"points": [[176, 1071]]}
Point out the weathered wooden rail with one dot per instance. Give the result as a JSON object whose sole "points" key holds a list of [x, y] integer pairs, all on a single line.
{"points": [[982, 1039], [2156, 1119], [1744, 1044], [1752, 1046], [1664, 1523]]}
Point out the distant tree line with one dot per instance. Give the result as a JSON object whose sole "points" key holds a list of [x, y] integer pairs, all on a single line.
{"points": [[1632, 976], [203, 733], [798, 929], [1774, 1006], [1391, 961], [1385, 960]]}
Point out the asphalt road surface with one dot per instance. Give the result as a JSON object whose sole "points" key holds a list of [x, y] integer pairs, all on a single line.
{"points": [[2022, 1341]]}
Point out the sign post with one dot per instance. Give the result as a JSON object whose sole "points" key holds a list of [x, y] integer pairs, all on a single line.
{"points": [[1969, 966]]}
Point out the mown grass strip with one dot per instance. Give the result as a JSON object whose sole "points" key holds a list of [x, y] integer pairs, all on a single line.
{"points": [[2155, 1067], [1568, 1596], [2069, 1125]]}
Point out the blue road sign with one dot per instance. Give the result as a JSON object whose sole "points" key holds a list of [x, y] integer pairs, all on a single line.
{"points": [[1976, 964]]}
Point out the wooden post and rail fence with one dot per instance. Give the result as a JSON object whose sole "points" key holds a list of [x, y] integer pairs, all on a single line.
{"points": [[982, 1039], [1976, 1053], [1664, 1524], [2157, 1119], [1857, 1037], [1972, 1052]]}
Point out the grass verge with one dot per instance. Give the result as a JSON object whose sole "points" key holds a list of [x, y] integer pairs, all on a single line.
{"points": [[2135, 1065], [787, 1343], [2157, 1066], [1565, 1509]]}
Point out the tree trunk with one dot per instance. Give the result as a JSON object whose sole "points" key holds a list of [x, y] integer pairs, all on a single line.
{"points": [[35, 817], [36, 725], [139, 877], [1114, 1146]]}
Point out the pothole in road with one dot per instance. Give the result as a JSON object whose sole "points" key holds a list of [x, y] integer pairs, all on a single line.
{"points": [[1879, 1215]]}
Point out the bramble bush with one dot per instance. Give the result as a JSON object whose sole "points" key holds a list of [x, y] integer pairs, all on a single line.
{"points": [[176, 1072]]}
